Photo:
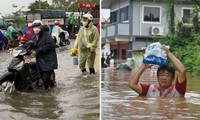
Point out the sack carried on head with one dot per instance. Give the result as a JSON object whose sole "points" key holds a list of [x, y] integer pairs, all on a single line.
{"points": [[155, 55]]}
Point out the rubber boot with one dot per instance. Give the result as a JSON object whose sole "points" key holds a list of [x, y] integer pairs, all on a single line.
{"points": [[92, 70], [84, 72]]}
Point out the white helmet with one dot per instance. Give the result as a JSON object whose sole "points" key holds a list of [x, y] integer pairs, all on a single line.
{"points": [[37, 23], [88, 16]]}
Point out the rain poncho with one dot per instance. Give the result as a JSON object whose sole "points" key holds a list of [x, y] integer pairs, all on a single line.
{"points": [[11, 30], [56, 32], [87, 38], [71, 19]]}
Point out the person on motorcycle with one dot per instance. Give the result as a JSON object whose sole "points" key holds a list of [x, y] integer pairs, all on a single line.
{"points": [[45, 53], [56, 32], [86, 44], [11, 32], [26, 28], [29, 33]]}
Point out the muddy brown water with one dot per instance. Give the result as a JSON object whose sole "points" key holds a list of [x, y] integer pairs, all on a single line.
{"points": [[74, 98], [119, 102]]}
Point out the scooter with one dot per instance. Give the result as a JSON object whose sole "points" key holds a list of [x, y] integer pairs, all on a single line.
{"points": [[23, 73], [64, 38]]}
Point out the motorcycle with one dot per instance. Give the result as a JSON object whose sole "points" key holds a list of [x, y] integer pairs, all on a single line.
{"points": [[23, 73], [63, 39]]}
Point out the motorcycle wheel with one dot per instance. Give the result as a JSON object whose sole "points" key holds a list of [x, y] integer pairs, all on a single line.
{"points": [[7, 83]]}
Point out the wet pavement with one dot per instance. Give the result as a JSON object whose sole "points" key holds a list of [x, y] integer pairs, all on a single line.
{"points": [[74, 98], [119, 102]]}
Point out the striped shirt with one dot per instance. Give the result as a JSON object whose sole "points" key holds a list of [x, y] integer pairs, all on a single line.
{"points": [[176, 90]]}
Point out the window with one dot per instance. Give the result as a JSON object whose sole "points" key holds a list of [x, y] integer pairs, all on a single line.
{"points": [[124, 14], [186, 14], [113, 17], [116, 56], [151, 14]]}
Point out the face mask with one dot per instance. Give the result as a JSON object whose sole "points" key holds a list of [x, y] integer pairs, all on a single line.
{"points": [[84, 23], [36, 30]]}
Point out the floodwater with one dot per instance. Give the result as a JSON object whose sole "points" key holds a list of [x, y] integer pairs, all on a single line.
{"points": [[119, 102], [74, 98]]}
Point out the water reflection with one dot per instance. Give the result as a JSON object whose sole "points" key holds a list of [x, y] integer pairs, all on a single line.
{"points": [[33, 105], [119, 102], [74, 98]]}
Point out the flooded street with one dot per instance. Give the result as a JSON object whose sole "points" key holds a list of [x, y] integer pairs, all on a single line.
{"points": [[74, 98], [119, 102]]}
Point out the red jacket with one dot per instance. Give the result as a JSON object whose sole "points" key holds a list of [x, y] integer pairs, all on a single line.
{"points": [[29, 34]]}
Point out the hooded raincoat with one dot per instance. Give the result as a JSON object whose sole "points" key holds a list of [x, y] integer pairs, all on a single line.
{"points": [[87, 38], [10, 31]]}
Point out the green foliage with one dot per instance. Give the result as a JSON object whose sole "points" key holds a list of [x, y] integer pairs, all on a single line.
{"points": [[40, 5], [20, 19], [185, 45], [169, 11], [184, 42], [103, 26], [71, 5], [61, 4]]}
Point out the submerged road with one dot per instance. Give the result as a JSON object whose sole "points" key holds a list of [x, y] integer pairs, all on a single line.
{"points": [[74, 98]]}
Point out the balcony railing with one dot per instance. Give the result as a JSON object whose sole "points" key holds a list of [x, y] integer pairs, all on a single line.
{"points": [[116, 30]]}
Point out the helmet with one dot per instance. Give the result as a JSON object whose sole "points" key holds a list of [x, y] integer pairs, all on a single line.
{"points": [[56, 22], [10, 24], [37, 23], [88, 16]]}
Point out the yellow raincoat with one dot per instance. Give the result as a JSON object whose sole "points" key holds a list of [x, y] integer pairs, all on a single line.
{"points": [[86, 40]]}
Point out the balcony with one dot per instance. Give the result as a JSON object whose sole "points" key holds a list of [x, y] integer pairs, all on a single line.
{"points": [[119, 29], [103, 33]]}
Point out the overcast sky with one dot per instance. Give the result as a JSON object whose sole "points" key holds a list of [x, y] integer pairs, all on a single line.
{"points": [[6, 5]]}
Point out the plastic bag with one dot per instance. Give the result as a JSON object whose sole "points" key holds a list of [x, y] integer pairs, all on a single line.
{"points": [[155, 55]]}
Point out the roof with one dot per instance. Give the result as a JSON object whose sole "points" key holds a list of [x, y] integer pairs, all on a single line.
{"points": [[106, 4], [45, 13]]}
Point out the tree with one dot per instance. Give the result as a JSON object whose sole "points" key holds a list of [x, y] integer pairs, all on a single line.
{"points": [[18, 16], [71, 5], [184, 42], [169, 10], [60, 4], [40, 5]]}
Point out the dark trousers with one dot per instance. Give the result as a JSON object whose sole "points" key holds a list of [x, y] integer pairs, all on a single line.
{"points": [[47, 80]]}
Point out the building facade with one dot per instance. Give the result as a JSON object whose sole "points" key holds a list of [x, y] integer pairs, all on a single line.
{"points": [[134, 22]]}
